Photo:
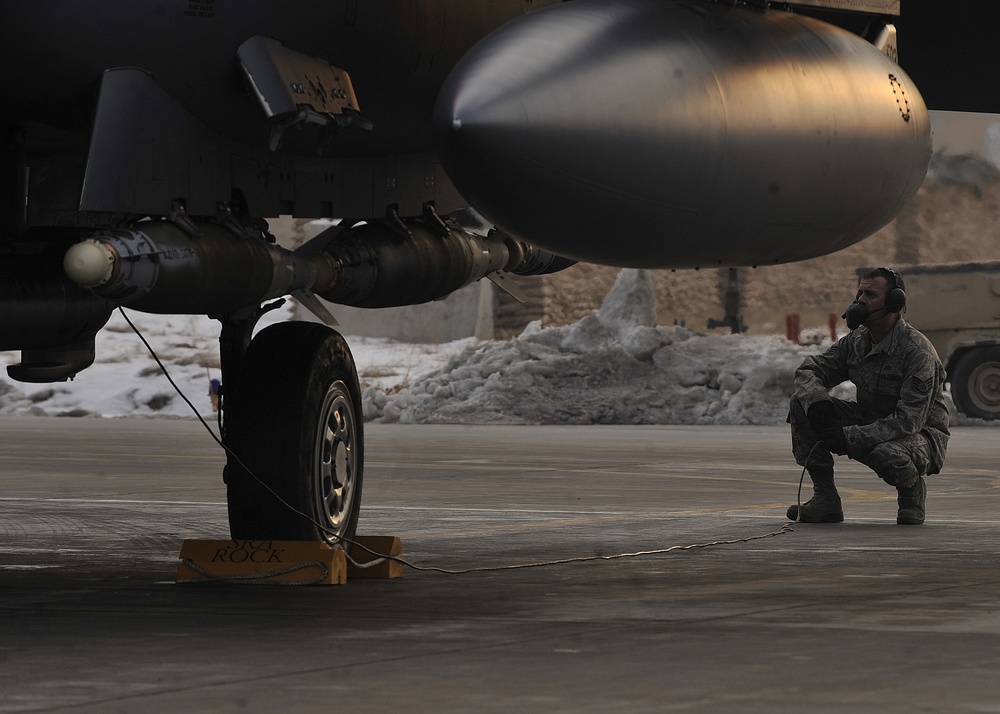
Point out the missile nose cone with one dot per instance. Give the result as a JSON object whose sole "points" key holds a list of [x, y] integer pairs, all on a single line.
{"points": [[89, 264]]}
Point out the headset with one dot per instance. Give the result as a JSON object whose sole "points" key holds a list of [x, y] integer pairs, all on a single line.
{"points": [[895, 299]]}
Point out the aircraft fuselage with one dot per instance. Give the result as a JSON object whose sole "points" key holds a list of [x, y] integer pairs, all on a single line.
{"points": [[398, 53]]}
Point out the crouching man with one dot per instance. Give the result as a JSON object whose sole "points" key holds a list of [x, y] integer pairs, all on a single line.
{"points": [[899, 425]]}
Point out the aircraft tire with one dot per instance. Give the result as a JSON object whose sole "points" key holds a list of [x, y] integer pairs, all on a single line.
{"points": [[975, 383], [300, 431]]}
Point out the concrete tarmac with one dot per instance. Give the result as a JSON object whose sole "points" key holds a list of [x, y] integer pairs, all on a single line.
{"points": [[860, 616]]}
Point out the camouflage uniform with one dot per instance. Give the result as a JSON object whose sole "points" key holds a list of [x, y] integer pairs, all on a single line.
{"points": [[899, 425]]}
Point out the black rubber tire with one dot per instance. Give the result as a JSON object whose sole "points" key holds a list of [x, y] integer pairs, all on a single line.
{"points": [[975, 383], [299, 429]]}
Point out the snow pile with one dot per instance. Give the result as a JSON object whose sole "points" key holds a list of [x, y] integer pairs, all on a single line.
{"points": [[613, 367]]}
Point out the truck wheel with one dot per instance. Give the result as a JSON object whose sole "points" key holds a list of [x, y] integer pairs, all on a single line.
{"points": [[975, 383]]}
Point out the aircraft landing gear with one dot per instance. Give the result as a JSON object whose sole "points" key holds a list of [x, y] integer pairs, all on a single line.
{"points": [[292, 415]]}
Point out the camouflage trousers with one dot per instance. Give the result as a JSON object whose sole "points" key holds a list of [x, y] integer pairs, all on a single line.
{"points": [[899, 463]]}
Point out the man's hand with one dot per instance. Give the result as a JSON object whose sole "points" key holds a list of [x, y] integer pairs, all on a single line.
{"points": [[822, 416], [834, 440]]}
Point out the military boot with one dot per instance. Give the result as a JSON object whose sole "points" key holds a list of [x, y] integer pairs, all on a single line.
{"points": [[911, 503], [823, 507]]}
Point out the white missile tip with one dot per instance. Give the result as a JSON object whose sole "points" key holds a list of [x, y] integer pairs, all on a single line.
{"points": [[89, 264], [456, 124]]}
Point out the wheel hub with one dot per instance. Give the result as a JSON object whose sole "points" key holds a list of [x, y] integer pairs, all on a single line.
{"points": [[336, 459], [985, 386]]}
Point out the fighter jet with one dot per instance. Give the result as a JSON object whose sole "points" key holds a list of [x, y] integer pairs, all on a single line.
{"points": [[147, 142]]}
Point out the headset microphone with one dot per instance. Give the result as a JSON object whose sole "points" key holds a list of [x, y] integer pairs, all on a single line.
{"points": [[856, 314]]}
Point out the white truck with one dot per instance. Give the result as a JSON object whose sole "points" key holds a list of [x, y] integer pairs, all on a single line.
{"points": [[957, 306]]}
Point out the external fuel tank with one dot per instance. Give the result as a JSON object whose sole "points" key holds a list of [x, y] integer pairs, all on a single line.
{"points": [[680, 133]]}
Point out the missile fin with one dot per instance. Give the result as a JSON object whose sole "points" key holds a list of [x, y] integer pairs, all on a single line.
{"points": [[312, 303], [507, 284]]}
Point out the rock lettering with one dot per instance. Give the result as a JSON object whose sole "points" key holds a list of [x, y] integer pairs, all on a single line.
{"points": [[252, 551]]}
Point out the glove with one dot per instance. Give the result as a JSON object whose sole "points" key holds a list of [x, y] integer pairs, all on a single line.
{"points": [[834, 440], [822, 416]]}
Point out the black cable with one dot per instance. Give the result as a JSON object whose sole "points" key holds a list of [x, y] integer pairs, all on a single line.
{"points": [[169, 378]]}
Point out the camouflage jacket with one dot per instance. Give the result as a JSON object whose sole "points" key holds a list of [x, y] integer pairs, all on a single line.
{"points": [[899, 384]]}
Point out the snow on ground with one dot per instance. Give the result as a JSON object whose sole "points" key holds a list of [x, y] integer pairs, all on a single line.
{"points": [[613, 367]]}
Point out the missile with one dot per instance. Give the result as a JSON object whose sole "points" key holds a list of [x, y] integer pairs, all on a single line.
{"points": [[206, 268], [659, 133], [212, 269]]}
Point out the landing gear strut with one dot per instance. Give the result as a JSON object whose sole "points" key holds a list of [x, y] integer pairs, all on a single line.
{"points": [[292, 417]]}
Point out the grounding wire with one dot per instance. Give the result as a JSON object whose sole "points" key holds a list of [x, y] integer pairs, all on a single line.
{"points": [[380, 558]]}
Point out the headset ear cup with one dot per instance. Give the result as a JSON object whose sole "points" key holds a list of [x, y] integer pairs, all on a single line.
{"points": [[895, 301]]}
